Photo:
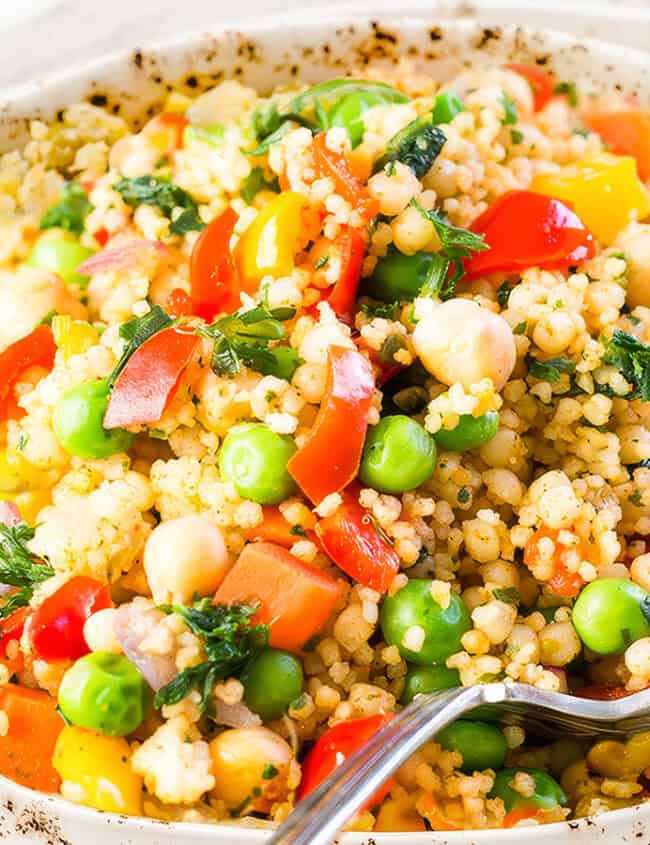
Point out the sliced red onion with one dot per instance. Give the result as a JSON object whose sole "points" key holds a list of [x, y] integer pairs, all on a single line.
{"points": [[123, 257], [235, 715], [133, 623], [9, 513]]}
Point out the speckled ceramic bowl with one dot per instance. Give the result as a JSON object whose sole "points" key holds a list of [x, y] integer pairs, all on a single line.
{"points": [[309, 47]]}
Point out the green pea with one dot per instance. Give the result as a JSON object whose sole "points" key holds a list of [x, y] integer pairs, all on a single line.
{"points": [[77, 423], [611, 613], [255, 459], [446, 107], [548, 793], [104, 692], [62, 257], [483, 746], [272, 680], [399, 455], [469, 433], [398, 276], [414, 605], [424, 679]]}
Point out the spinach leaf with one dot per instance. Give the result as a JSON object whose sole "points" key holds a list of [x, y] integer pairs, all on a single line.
{"points": [[164, 195], [70, 211], [632, 358]]}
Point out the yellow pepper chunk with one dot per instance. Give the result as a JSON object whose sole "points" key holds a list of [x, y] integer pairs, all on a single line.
{"points": [[604, 190], [73, 337], [17, 474], [96, 771], [269, 245]]}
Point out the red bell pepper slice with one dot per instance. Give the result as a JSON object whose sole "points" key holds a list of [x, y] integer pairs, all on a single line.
{"points": [[525, 229], [179, 303], [37, 349], [332, 165], [333, 749], [11, 630], [150, 379], [214, 279], [56, 629], [626, 132], [351, 539], [329, 460], [351, 246], [541, 82]]}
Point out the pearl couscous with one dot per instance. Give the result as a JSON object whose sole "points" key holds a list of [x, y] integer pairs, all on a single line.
{"points": [[310, 404]]}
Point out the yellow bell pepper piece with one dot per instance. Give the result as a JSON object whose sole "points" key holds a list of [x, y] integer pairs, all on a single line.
{"points": [[73, 337], [17, 474], [604, 191], [269, 245], [96, 771]]}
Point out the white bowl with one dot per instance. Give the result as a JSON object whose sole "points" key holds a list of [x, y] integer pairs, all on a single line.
{"points": [[311, 46]]}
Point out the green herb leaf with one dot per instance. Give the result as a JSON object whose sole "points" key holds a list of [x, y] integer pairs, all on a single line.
{"points": [[632, 358], [387, 310], [463, 495], [263, 148], [136, 332], [255, 182], [70, 211], [269, 772], [503, 293], [509, 595], [551, 369], [510, 116], [520, 328], [417, 146], [635, 498], [19, 567], [187, 221], [229, 641], [164, 195], [516, 136], [568, 88]]}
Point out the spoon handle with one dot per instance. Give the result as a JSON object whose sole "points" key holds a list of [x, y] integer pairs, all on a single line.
{"points": [[319, 817]]}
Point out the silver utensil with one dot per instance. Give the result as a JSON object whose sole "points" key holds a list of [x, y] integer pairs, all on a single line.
{"points": [[319, 817]]}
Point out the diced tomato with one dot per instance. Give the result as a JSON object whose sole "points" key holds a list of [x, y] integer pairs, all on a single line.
{"points": [[150, 379], [525, 229], [37, 349], [331, 165], [329, 460], [564, 581], [56, 629], [626, 132], [179, 303], [213, 276], [177, 122], [351, 249], [602, 692], [11, 630], [351, 539], [27, 748], [274, 528], [295, 599], [333, 749], [101, 236], [541, 82]]}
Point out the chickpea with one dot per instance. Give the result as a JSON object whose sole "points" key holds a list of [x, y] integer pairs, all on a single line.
{"points": [[185, 556], [99, 632], [458, 341], [240, 759]]}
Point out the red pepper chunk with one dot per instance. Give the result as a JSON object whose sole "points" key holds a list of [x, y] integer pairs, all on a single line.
{"points": [[177, 123], [56, 629], [525, 229], [37, 349], [213, 276], [333, 749], [331, 165], [150, 379], [343, 298], [541, 82], [350, 538], [626, 132], [329, 460]]}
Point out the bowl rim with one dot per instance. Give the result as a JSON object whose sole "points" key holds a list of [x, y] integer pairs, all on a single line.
{"points": [[390, 13]]}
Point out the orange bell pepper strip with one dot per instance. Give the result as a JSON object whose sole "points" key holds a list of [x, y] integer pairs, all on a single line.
{"points": [[333, 165], [542, 82], [214, 280], [329, 460], [275, 529], [34, 726], [350, 249], [295, 599], [563, 582], [351, 539], [150, 379], [37, 349], [626, 132]]}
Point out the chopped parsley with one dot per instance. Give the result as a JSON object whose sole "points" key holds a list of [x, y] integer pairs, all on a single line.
{"points": [[632, 358], [322, 261], [387, 310], [463, 495], [457, 244], [229, 641], [70, 211], [520, 328], [503, 293], [255, 182], [509, 595], [510, 116], [269, 772], [516, 136], [135, 332], [570, 90], [19, 567], [635, 498], [165, 196], [551, 369], [245, 337]]}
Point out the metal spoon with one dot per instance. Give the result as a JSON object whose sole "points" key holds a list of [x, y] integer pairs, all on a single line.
{"points": [[320, 816]]}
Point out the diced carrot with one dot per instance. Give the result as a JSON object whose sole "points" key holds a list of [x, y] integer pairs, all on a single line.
{"points": [[275, 529], [34, 726], [627, 132], [296, 599]]}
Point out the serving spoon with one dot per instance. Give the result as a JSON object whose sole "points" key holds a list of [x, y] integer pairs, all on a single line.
{"points": [[320, 816]]}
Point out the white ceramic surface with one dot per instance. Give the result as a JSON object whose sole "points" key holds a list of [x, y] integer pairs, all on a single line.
{"points": [[264, 54]]}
